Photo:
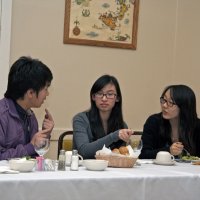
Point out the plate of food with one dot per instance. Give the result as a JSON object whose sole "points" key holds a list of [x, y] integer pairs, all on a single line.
{"points": [[188, 159]]}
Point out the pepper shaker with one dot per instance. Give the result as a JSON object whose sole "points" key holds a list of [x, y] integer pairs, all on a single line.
{"points": [[61, 160]]}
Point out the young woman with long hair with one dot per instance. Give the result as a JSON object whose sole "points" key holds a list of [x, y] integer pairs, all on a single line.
{"points": [[177, 128], [103, 123]]}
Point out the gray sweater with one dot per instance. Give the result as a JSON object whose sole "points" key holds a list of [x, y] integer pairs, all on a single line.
{"points": [[83, 139]]}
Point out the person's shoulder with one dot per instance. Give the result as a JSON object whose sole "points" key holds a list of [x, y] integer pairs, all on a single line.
{"points": [[6, 110], [154, 117], [80, 115], [4, 105]]}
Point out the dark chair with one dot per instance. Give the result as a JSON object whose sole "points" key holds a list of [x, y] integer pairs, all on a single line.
{"points": [[65, 142], [137, 132]]}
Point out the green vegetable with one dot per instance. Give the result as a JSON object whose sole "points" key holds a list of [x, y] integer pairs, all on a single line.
{"points": [[190, 158]]}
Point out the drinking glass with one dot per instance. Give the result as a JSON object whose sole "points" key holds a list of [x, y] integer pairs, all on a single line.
{"points": [[137, 146], [42, 146]]}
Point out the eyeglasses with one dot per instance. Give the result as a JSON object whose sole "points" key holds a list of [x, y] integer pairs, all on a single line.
{"points": [[169, 103], [107, 95]]}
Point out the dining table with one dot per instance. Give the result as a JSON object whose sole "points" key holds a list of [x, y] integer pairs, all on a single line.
{"points": [[144, 181]]}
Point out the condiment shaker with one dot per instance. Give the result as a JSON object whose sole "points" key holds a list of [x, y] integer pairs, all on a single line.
{"points": [[74, 161], [61, 160]]}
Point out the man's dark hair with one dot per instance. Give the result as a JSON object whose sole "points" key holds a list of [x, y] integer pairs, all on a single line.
{"points": [[27, 73]]}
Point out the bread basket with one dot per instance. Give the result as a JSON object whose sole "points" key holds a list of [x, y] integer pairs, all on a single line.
{"points": [[118, 160]]}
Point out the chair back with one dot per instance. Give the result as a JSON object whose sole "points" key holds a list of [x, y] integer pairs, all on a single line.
{"points": [[138, 133], [65, 142], [135, 138]]}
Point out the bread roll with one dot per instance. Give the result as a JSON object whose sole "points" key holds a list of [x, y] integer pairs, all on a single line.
{"points": [[124, 151], [116, 151]]}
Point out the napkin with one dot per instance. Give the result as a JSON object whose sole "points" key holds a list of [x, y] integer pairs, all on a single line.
{"points": [[104, 151], [7, 170], [131, 152], [145, 161]]}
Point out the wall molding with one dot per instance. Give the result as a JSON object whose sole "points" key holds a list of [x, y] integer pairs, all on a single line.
{"points": [[5, 37]]}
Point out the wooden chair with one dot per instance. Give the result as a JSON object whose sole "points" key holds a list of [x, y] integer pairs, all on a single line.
{"points": [[65, 141], [138, 133]]}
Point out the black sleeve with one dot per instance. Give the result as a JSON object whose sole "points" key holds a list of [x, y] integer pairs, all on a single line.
{"points": [[197, 139], [152, 143]]}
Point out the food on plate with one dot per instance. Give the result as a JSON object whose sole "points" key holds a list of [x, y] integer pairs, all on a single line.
{"points": [[124, 150], [189, 158], [116, 151]]}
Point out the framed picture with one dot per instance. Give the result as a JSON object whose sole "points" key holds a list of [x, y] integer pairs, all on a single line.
{"points": [[105, 23]]}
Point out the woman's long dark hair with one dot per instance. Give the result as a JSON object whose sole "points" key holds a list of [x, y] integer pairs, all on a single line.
{"points": [[185, 99], [115, 120]]}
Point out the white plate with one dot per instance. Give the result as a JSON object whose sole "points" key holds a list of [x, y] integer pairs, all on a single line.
{"points": [[164, 163], [182, 161]]}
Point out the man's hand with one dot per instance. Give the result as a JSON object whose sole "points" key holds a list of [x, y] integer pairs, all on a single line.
{"points": [[48, 122], [40, 134]]}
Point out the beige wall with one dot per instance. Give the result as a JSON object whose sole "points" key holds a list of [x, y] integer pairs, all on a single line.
{"points": [[167, 52]]}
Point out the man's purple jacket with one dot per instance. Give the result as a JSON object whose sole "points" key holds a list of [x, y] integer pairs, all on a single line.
{"points": [[12, 139]]}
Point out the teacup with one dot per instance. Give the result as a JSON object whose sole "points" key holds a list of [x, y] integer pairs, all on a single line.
{"points": [[68, 157], [164, 157]]}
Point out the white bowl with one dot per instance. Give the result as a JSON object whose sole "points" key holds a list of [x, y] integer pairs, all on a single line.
{"points": [[95, 165], [22, 165]]}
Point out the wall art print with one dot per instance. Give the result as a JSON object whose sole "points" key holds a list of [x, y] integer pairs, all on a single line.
{"points": [[106, 23]]}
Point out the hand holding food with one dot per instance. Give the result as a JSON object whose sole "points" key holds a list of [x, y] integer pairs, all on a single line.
{"points": [[48, 122], [125, 134], [176, 148]]}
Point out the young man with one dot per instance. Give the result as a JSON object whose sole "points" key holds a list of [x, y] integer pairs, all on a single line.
{"points": [[28, 83]]}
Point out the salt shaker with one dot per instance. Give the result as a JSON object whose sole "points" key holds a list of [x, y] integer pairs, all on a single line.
{"points": [[74, 161], [61, 160]]}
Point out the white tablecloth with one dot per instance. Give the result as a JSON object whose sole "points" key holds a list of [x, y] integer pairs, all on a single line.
{"points": [[145, 182]]}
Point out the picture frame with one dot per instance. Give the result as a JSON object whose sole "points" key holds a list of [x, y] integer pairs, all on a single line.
{"points": [[104, 23]]}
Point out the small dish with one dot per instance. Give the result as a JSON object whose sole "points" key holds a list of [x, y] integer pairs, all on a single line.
{"points": [[95, 165], [164, 163], [22, 165], [195, 162]]}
